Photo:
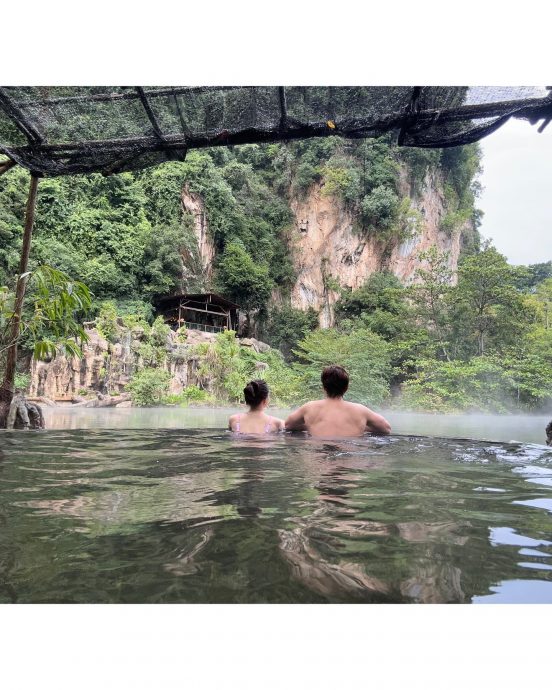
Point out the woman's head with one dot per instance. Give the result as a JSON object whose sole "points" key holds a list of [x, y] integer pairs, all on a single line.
{"points": [[256, 394]]}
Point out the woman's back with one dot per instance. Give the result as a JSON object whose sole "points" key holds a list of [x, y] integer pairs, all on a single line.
{"points": [[255, 423]]}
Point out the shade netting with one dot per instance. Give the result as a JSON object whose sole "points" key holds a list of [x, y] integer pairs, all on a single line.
{"points": [[67, 130]]}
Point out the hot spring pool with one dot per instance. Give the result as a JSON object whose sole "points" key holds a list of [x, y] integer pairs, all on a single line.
{"points": [[181, 515]]}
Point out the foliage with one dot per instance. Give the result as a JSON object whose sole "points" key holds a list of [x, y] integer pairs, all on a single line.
{"points": [[488, 309], [151, 355], [419, 161], [22, 381], [159, 332], [364, 354], [149, 386], [243, 279], [379, 304], [190, 395], [453, 220], [461, 164], [429, 293], [530, 277], [106, 321], [380, 208], [341, 181], [226, 367], [489, 383], [221, 367], [51, 319], [285, 382], [286, 326]]}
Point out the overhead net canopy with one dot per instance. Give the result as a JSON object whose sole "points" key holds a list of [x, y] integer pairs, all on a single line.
{"points": [[68, 130]]}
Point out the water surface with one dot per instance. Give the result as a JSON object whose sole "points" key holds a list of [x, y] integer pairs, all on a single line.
{"points": [[488, 427], [198, 515]]}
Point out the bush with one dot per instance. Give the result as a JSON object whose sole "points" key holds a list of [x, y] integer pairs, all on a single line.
{"points": [[341, 181], [151, 355], [286, 326], [149, 387], [22, 381], [380, 208], [487, 383], [159, 332], [106, 321], [286, 384], [190, 395]]}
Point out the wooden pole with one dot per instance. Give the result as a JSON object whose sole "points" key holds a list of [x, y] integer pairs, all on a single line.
{"points": [[6, 388], [5, 166]]}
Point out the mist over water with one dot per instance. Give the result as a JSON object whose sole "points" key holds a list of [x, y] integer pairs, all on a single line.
{"points": [[527, 428]]}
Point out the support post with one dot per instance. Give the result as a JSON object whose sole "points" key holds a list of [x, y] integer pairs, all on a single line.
{"points": [[6, 165], [6, 387]]}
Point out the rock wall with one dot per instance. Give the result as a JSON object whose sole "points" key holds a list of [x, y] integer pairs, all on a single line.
{"points": [[193, 204], [324, 244], [106, 368]]}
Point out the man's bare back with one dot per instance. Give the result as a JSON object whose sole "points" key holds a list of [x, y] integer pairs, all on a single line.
{"points": [[336, 417], [333, 416]]}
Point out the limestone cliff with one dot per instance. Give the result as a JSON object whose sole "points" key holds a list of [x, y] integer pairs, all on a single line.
{"points": [[194, 205], [106, 367], [326, 244]]}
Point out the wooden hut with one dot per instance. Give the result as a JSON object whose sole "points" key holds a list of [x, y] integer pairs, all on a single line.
{"points": [[202, 311]]}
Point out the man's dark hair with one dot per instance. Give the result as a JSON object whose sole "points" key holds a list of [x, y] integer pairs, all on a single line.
{"points": [[335, 380]]}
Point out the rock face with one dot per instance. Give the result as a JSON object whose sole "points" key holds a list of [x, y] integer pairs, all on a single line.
{"points": [[63, 378], [325, 245], [106, 368], [193, 204]]}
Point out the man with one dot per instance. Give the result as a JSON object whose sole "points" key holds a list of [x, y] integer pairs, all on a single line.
{"points": [[333, 416]]}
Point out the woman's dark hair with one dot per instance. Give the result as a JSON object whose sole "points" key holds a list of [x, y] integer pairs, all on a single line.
{"points": [[255, 392], [335, 380]]}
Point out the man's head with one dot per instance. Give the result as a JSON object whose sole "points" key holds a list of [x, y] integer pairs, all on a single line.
{"points": [[335, 380]]}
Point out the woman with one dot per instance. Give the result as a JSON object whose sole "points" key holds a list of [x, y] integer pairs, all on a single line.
{"points": [[256, 421]]}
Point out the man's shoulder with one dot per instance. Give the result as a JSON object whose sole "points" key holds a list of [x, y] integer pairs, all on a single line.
{"points": [[358, 407], [312, 404]]}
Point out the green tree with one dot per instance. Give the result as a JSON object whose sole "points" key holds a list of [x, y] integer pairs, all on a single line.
{"points": [[429, 295], [243, 280], [286, 326], [364, 354], [489, 313], [380, 304]]}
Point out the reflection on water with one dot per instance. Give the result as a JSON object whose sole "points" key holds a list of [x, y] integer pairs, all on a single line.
{"points": [[201, 516]]}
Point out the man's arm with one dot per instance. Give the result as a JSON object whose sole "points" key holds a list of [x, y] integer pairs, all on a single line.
{"points": [[376, 423], [296, 420]]}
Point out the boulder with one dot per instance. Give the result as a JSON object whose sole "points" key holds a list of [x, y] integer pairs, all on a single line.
{"points": [[24, 414], [254, 344]]}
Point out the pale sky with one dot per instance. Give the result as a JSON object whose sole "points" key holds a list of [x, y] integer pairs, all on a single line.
{"points": [[517, 194]]}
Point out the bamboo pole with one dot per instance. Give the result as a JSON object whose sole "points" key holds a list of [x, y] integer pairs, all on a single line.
{"points": [[6, 388]]}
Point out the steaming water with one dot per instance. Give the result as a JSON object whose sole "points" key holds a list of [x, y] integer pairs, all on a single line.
{"points": [[165, 514], [488, 427]]}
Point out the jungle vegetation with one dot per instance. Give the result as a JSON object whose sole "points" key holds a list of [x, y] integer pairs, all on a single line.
{"points": [[478, 340]]}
